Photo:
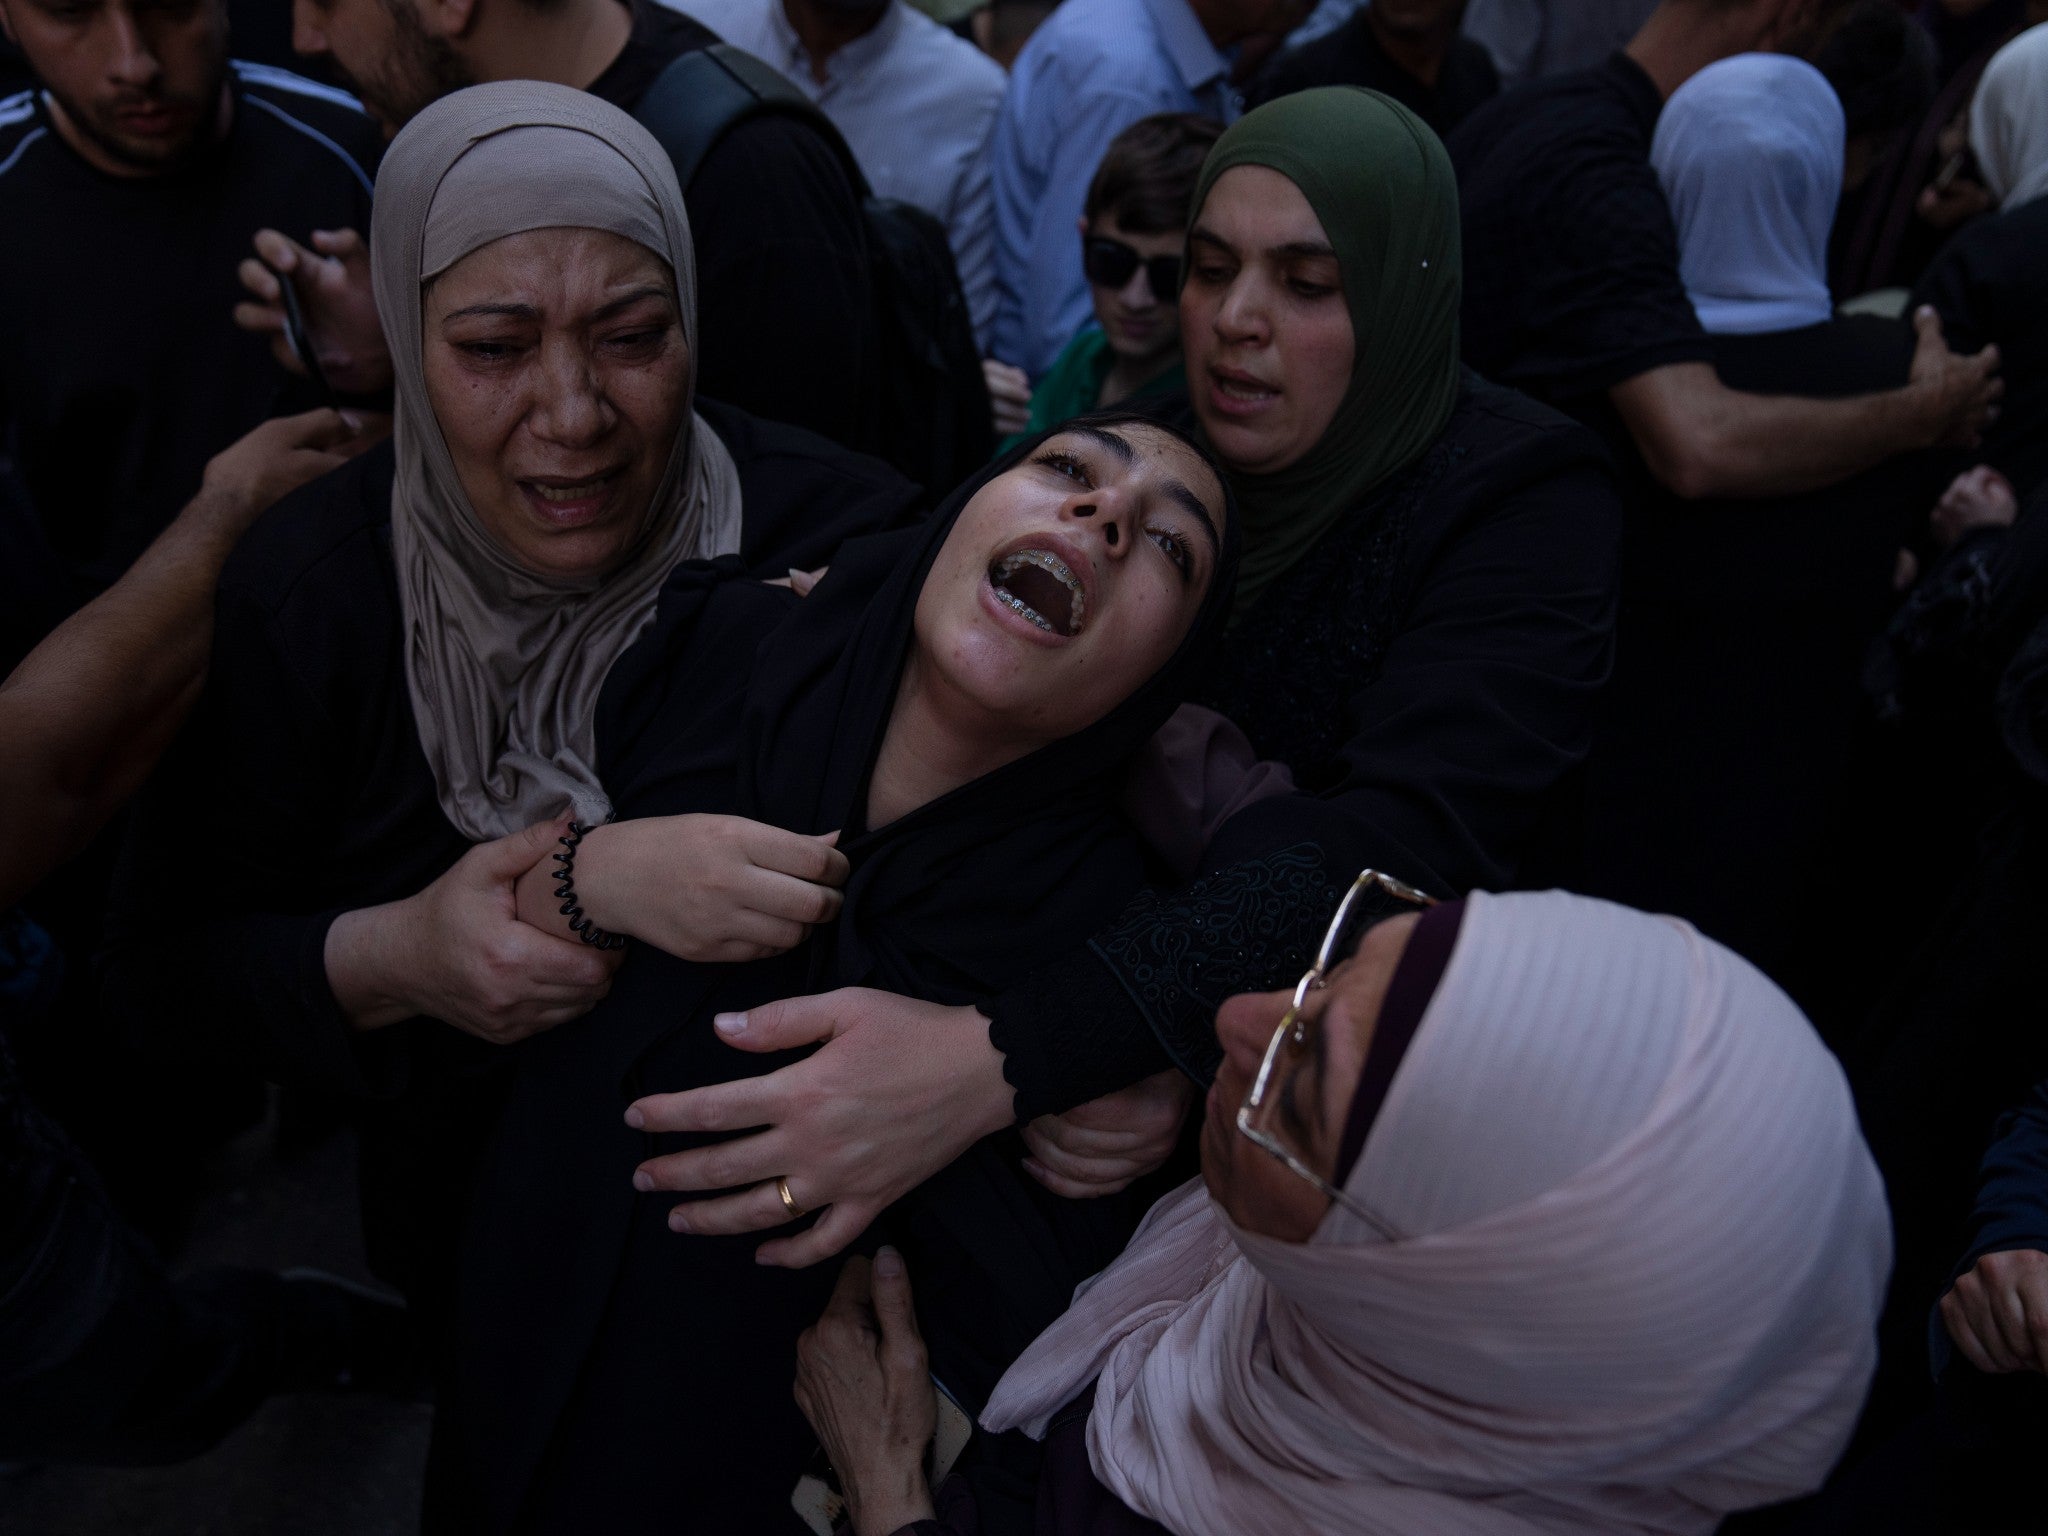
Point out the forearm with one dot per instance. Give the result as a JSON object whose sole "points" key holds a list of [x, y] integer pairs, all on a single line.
{"points": [[91, 709], [1702, 439]]}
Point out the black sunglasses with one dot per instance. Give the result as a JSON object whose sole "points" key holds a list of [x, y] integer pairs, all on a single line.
{"points": [[1110, 263]]}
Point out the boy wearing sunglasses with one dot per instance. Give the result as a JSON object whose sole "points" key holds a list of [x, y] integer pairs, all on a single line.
{"points": [[1133, 230]]}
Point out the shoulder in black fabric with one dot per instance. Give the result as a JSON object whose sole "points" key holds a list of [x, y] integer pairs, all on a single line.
{"points": [[1251, 926], [956, 898], [1321, 631]]}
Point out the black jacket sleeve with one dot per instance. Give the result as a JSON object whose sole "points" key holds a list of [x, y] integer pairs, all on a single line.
{"points": [[785, 311], [1485, 702], [238, 863]]}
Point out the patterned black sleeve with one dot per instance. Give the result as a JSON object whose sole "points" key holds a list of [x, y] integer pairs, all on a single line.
{"points": [[1143, 994]]}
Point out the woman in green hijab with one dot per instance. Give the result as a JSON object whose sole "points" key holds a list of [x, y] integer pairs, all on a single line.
{"points": [[1428, 590]]}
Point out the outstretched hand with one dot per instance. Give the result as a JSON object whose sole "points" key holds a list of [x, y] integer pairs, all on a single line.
{"points": [[333, 282], [898, 1089]]}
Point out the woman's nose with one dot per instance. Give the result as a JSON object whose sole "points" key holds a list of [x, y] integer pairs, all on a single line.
{"points": [[1242, 314], [569, 406], [1108, 514], [1244, 1028]]}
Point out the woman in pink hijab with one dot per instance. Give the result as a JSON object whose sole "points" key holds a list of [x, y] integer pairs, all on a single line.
{"points": [[1536, 1214]]}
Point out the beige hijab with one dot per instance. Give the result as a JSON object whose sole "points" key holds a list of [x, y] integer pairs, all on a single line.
{"points": [[1623, 1279], [505, 665]]}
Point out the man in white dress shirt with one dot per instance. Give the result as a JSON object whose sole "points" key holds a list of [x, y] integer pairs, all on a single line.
{"points": [[915, 101]]}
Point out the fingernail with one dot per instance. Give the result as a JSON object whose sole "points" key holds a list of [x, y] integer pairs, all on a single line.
{"points": [[888, 1262], [352, 421], [677, 1222], [634, 1118], [1033, 1167], [730, 1023], [642, 1180]]}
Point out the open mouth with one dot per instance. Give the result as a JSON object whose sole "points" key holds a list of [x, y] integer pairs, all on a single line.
{"points": [[1241, 388], [571, 502], [1041, 587]]}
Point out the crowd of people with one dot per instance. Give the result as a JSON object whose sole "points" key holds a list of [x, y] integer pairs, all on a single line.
{"points": [[1115, 766]]}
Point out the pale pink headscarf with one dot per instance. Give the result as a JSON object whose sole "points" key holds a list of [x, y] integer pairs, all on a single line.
{"points": [[1628, 1259]]}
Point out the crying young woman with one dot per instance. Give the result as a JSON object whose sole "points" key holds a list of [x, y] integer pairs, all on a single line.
{"points": [[950, 714]]}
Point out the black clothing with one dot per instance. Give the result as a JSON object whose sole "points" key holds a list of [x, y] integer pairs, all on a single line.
{"points": [[1990, 284], [1571, 258], [1429, 672], [632, 1398], [1728, 733], [104, 1357], [785, 326], [304, 740], [1068, 1499], [121, 370], [1957, 908], [1352, 55]]}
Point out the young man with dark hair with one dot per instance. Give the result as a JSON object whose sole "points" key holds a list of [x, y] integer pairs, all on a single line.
{"points": [[1572, 290], [1133, 228], [131, 180], [788, 325], [1409, 49]]}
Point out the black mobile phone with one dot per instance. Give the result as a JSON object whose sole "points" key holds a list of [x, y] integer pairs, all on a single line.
{"points": [[302, 343]]}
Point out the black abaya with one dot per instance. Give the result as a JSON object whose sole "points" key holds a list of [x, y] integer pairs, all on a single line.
{"points": [[660, 1383], [299, 791]]}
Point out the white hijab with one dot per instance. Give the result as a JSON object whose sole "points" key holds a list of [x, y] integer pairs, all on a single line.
{"points": [[2009, 120], [1750, 153], [504, 665], [1625, 1276]]}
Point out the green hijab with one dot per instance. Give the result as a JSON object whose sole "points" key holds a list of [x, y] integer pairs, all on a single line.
{"points": [[1383, 188]]}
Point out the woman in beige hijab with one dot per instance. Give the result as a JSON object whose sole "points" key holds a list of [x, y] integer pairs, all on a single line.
{"points": [[409, 684]]}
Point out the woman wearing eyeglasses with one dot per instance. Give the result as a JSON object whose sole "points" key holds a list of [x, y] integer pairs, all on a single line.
{"points": [[1529, 1214], [1133, 228]]}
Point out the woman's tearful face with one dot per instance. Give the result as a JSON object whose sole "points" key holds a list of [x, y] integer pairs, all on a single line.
{"points": [[556, 366], [1068, 581]]}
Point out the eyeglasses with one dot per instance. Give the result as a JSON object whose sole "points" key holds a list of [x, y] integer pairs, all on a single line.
{"points": [[1110, 263], [1293, 1043]]}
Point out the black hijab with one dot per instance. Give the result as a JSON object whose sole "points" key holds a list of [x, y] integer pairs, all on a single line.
{"points": [[747, 701], [945, 901]]}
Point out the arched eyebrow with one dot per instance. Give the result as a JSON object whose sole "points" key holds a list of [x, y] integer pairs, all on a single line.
{"points": [[1126, 455], [1292, 250], [528, 312]]}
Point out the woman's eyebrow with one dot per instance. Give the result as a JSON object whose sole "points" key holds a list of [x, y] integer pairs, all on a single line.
{"points": [[1176, 491], [628, 300], [513, 311], [1304, 250]]}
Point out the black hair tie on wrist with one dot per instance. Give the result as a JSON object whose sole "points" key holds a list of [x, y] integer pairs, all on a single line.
{"points": [[565, 893]]}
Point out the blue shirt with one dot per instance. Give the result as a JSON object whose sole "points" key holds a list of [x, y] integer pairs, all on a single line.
{"points": [[1094, 68], [916, 105]]}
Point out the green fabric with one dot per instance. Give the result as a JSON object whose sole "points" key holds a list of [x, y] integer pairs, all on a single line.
{"points": [[1073, 385], [1383, 188]]}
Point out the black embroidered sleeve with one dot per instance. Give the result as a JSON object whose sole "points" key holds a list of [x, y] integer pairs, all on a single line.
{"points": [[1143, 994]]}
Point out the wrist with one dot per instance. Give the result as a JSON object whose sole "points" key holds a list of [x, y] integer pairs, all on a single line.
{"points": [[885, 1501], [994, 1100], [605, 872], [363, 971]]}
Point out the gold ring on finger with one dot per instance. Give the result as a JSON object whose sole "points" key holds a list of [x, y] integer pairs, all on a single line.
{"points": [[796, 1212]]}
